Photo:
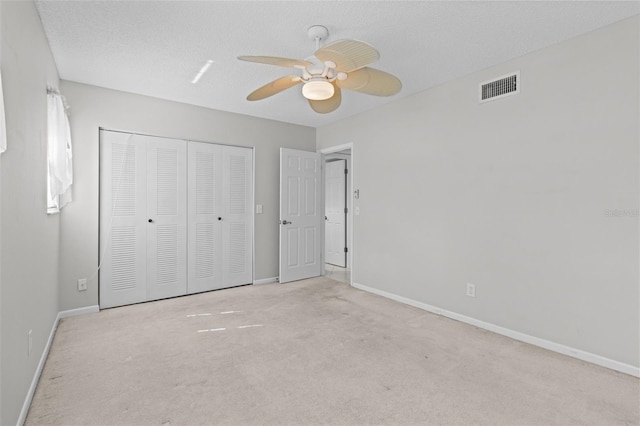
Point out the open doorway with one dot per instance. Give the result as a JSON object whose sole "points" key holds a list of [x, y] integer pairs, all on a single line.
{"points": [[338, 245]]}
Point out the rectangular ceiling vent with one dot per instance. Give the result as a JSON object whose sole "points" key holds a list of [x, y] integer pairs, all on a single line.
{"points": [[499, 88]]}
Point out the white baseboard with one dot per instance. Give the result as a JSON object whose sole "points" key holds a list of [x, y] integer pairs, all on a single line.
{"points": [[79, 311], [43, 358], [266, 281], [36, 376], [546, 344]]}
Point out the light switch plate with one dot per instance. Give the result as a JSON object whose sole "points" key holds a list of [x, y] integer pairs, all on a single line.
{"points": [[259, 208], [82, 284], [471, 290]]}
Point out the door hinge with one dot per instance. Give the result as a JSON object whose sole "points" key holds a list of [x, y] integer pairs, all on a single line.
{"points": [[346, 171], [346, 250], [346, 210]]}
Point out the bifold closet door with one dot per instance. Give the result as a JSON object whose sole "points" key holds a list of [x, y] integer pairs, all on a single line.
{"points": [[123, 219], [205, 217], [237, 220], [167, 218], [143, 226], [220, 216]]}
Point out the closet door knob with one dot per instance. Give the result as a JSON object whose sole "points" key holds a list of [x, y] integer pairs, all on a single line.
{"points": [[150, 220], [219, 218]]}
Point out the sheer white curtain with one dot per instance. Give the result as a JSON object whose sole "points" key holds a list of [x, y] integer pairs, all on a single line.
{"points": [[59, 155], [3, 123]]}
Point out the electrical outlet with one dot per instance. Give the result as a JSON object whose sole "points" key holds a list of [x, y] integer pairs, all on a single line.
{"points": [[471, 290], [82, 284], [258, 208], [30, 343]]}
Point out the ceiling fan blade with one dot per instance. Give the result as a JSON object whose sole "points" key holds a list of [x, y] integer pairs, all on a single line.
{"points": [[372, 82], [348, 55], [328, 105], [274, 87], [274, 60]]}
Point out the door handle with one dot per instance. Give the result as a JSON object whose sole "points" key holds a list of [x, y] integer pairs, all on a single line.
{"points": [[150, 220], [284, 222]]}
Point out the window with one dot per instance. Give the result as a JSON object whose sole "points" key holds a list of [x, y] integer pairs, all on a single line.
{"points": [[59, 155]]}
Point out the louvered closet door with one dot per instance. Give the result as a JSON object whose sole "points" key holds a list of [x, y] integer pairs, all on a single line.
{"points": [[205, 229], [175, 217], [167, 218], [123, 190], [237, 189]]}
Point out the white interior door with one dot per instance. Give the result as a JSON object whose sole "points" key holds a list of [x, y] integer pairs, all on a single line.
{"points": [[123, 219], [205, 217], [301, 214], [167, 217], [335, 213]]}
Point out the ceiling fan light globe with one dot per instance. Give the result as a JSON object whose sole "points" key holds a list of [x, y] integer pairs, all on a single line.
{"points": [[318, 90]]}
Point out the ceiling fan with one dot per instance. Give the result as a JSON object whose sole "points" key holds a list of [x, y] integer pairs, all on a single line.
{"points": [[336, 66]]}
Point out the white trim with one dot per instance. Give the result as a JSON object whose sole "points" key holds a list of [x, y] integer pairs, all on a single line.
{"points": [[79, 311], [265, 281], [36, 377], [43, 358], [536, 341], [253, 216], [350, 220], [336, 148]]}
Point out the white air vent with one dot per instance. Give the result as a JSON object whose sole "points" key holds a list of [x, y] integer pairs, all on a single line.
{"points": [[500, 87]]}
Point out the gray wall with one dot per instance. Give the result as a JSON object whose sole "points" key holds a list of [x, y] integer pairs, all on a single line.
{"points": [[511, 195], [94, 107], [29, 244]]}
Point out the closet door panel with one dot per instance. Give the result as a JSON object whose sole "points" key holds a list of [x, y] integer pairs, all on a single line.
{"points": [[238, 219], [167, 218], [205, 217], [123, 188]]}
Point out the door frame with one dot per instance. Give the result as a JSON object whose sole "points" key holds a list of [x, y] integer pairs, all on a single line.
{"points": [[350, 224], [330, 160]]}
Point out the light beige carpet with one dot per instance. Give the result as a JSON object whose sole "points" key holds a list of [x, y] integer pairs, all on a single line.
{"points": [[311, 352]]}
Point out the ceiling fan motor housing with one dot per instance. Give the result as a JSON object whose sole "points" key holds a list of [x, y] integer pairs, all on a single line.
{"points": [[319, 69], [317, 79]]}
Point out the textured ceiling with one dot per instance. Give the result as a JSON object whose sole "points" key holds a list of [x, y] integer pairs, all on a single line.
{"points": [[156, 48]]}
